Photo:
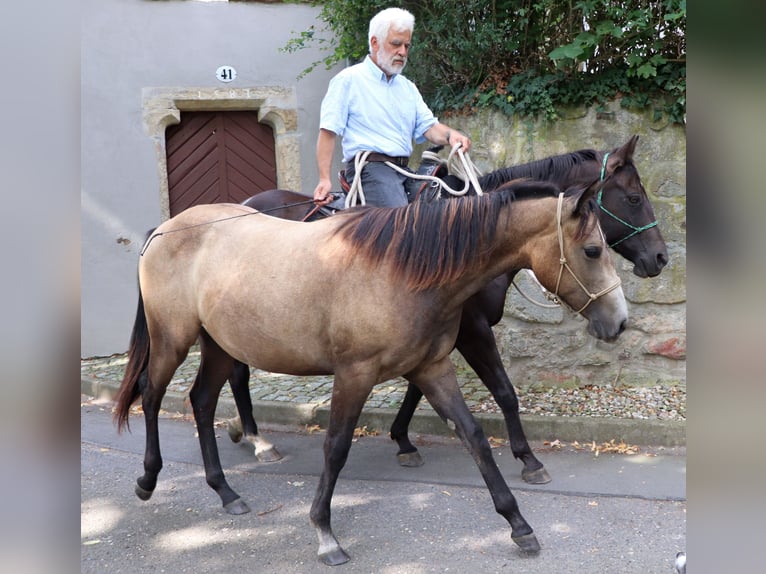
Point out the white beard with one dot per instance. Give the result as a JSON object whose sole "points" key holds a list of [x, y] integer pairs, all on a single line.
{"points": [[387, 64]]}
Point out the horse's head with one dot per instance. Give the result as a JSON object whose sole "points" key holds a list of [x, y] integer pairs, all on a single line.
{"points": [[578, 268], [626, 214]]}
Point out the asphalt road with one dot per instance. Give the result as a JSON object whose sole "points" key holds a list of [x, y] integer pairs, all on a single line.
{"points": [[601, 514]]}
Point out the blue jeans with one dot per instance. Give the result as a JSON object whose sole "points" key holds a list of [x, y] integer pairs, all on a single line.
{"points": [[382, 185]]}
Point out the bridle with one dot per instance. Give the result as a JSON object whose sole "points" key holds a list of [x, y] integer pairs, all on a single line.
{"points": [[563, 264], [636, 230], [554, 297]]}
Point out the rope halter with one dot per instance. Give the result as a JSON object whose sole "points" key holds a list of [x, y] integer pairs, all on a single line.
{"points": [[636, 230], [563, 264]]}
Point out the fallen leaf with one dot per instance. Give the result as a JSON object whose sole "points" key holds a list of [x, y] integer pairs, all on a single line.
{"points": [[495, 442], [362, 431]]}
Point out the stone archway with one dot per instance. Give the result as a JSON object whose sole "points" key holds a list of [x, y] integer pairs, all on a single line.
{"points": [[276, 107]]}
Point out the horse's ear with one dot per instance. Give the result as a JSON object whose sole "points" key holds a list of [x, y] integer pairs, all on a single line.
{"points": [[620, 156], [579, 193]]}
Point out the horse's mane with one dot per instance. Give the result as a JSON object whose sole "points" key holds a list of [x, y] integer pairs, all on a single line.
{"points": [[552, 168], [431, 243]]}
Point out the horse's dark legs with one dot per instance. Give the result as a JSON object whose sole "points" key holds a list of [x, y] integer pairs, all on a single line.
{"points": [[345, 407], [441, 389], [153, 382], [244, 425], [482, 355], [479, 348], [408, 454], [150, 403], [215, 367]]}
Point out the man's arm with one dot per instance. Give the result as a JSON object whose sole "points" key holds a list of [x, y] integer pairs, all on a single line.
{"points": [[325, 150], [442, 134]]}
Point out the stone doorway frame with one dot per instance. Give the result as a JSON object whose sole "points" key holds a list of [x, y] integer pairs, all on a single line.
{"points": [[276, 107]]}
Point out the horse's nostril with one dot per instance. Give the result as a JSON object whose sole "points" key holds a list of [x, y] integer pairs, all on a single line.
{"points": [[662, 259], [623, 325]]}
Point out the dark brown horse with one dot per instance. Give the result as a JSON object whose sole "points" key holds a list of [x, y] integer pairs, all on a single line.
{"points": [[406, 271], [629, 224]]}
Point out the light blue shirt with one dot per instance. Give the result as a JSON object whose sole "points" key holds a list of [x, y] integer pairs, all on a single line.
{"points": [[371, 113]]}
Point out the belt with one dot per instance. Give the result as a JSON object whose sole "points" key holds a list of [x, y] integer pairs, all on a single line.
{"points": [[401, 161]]}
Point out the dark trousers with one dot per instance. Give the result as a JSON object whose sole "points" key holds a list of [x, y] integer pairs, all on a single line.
{"points": [[382, 185]]}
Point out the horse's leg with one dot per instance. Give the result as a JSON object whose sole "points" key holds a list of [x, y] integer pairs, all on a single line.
{"points": [[153, 382], [408, 454], [215, 367], [244, 424], [345, 407], [439, 384], [477, 344]]}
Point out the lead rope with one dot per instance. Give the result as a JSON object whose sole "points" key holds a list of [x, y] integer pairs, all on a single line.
{"points": [[466, 170]]}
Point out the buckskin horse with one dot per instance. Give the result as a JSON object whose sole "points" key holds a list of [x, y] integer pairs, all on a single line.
{"points": [[629, 224], [405, 271]]}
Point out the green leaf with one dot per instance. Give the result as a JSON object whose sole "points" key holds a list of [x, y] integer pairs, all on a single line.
{"points": [[562, 52]]}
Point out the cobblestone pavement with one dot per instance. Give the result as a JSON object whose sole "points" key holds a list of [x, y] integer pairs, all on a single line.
{"points": [[660, 402]]}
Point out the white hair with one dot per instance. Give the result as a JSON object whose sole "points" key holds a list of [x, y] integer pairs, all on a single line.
{"points": [[396, 19]]}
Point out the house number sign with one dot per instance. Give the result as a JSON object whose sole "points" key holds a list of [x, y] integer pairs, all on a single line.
{"points": [[226, 73]]}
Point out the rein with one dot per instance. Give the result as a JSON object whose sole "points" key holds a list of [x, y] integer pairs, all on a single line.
{"points": [[277, 208], [636, 230]]}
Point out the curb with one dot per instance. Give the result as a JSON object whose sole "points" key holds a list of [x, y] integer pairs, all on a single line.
{"points": [[644, 432]]}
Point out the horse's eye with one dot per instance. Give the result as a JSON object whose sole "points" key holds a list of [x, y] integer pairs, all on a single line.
{"points": [[634, 199], [593, 252]]}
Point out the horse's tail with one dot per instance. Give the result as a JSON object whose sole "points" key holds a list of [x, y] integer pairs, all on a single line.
{"points": [[138, 359]]}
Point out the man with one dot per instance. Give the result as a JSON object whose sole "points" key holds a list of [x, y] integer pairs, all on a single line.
{"points": [[374, 108]]}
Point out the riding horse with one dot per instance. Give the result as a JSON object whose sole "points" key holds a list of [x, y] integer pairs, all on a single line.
{"points": [[406, 273], [629, 224]]}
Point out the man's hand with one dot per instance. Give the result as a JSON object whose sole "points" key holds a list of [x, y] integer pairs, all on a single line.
{"points": [[455, 137], [323, 192]]}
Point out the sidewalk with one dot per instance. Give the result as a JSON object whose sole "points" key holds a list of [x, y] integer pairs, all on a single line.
{"points": [[288, 400]]}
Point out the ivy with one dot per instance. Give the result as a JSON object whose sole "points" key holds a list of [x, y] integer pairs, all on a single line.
{"points": [[526, 57]]}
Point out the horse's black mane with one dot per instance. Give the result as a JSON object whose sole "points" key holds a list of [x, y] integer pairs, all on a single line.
{"points": [[432, 242], [552, 168]]}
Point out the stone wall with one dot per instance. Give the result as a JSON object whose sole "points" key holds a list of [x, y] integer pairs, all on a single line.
{"points": [[551, 347]]}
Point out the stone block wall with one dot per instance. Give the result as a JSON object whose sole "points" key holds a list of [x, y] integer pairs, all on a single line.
{"points": [[552, 347]]}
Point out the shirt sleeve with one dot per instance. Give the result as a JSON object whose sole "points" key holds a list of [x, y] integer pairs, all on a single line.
{"points": [[333, 114], [425, 118]]}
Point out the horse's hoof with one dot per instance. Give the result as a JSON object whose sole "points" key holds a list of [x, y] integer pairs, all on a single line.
{"points": [[268, 455], [235, 430], [334, 557], [412, 459], [143, 494], [539, 476], [237, 506], [527, 543]]}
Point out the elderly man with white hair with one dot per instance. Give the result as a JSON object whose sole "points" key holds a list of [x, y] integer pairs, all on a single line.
{"points": [[378, 113]]}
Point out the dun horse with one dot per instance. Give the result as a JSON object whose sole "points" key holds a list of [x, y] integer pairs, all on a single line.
{"points": [[629, 224], [405, 272]]}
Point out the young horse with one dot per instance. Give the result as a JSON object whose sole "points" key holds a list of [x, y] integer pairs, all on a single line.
{"points": [[628, 221], [406, 273]]}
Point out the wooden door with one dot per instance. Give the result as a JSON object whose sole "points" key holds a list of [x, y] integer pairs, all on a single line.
{"points": [[215, 157]]}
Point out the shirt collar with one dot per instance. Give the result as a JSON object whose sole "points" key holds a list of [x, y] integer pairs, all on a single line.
{"points": [[376, 72]]}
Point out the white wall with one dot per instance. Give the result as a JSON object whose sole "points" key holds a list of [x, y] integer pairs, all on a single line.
{"points": [[128, 45]]}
